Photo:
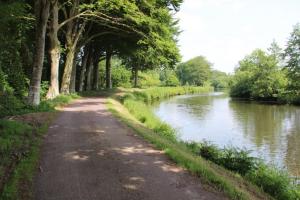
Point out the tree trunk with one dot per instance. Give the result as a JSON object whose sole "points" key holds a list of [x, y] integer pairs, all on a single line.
{"points": [[89, 73], [96, 74], [54, 52], [135, 77], [83, 69], [73, 34], [73, 77], [42, 14], [108, 69], [66, 80]]}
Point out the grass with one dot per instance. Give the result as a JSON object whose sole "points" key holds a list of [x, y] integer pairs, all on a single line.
{"points": [[19, 150], [20, 147]]}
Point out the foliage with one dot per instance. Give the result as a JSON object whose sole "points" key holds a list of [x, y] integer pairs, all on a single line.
{"points": [[194, 72], [275, 182], [44, 89], [10, 105], [292, 56], [234, 159], [219, 80], [168, 78], [19, 152], [272, 180], [259, 77], [15, 25], [148, 79], [120, 76]]}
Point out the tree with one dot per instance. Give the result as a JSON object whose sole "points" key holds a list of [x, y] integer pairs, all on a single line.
{"points": [[54, 50], [16, 24], [195, 71], [292, 57], [41, 8], [258, 76], [219, 79], [168, 78]]}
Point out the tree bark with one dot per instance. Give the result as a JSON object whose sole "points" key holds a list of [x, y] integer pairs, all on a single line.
{"points": [[96, 73], [54, 52], [42, 14], [73, 77], [66, 80], [73, 34], [90, 73], [83, 69], [108, 68]]}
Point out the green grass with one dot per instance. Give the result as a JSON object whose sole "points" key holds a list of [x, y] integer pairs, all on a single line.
{"points": [[19, 152]]}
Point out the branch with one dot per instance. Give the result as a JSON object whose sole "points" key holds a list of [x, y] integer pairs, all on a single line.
{"points": [[70, 19]]}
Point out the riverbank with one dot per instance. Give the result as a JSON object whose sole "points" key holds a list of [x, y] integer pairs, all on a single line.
{"points": [[133, 110], [268, 179]]}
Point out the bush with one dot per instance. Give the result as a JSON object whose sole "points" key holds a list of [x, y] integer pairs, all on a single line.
{"points": [[238, 160], [272, 180], [120, 77], [148, 79], [9, 105]]}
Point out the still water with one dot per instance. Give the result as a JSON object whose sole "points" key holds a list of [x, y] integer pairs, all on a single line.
{"points": [[272, 132]]}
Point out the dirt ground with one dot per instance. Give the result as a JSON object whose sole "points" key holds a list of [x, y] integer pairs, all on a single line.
{"points": [[89, 155]]}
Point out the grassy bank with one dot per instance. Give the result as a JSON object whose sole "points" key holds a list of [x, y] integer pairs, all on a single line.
{"points": [[133, 109], [20, 141], [247, 176]]}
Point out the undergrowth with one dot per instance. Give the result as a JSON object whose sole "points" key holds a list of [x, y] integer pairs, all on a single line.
{"points": [[19, 152], [10, 105]]}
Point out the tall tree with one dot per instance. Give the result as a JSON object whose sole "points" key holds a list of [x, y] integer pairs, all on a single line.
{"points": [[41, 8], [292, 57], [54, 50], [195, 71], [74, 30]]}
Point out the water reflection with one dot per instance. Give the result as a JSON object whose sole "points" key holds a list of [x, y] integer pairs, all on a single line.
{"points": [[271, 131]]}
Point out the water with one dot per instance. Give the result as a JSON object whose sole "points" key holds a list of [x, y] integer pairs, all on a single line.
{"points": [[272, 132]]}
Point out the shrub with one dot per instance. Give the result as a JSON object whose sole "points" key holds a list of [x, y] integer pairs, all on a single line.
{"points": [[9, 104], [148, 79], [120, 77]]}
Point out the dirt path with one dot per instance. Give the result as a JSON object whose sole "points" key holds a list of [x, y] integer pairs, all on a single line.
{"points": [[90, 155]]}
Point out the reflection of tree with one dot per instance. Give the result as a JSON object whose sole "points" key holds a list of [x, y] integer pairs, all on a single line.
{"points": [[292, 159], [199, 105], [264, 124]]}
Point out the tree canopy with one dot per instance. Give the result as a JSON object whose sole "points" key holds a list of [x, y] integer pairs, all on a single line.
{"points": [[195, 71], [62, 42]]}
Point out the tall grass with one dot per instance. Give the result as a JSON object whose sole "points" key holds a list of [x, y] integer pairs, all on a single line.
{"points": [[272, 180], [154, 94]]}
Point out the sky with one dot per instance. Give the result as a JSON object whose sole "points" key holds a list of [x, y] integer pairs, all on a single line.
{"points": [[225, 31]]}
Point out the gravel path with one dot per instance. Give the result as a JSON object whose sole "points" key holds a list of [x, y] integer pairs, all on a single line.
{"points": [[89, 155]]}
